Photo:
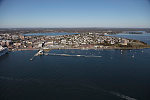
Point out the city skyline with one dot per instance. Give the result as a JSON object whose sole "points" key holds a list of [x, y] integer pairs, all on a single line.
{"points": [[70, 13]]}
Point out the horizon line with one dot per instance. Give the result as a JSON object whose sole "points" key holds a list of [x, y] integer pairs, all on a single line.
{"points": [[76, 27]]}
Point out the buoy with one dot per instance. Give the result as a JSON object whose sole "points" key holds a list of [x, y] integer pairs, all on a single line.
{"points": [[133, 56]]}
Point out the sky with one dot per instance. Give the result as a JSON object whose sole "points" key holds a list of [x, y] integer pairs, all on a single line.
{"points": [[74, 13]]}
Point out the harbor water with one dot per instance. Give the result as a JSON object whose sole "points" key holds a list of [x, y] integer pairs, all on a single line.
{"points": [[113, 75]]}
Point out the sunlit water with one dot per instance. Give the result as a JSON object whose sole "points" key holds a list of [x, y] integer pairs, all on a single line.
{"points": [[115, 75]]}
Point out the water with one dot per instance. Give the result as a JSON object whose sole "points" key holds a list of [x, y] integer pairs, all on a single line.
{"points": [[48, 34], [114, 76], [142, 37]]}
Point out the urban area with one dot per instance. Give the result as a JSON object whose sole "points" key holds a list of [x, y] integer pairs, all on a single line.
{"points": [[85, 40]]}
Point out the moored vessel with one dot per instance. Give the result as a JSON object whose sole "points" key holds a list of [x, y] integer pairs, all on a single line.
{"points": [[3, 50]]}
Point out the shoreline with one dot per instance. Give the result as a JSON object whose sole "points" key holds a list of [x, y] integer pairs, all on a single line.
{"points": [[108, 48]]}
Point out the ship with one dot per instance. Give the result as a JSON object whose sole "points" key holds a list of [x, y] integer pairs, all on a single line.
{"points": [[3, 50]]}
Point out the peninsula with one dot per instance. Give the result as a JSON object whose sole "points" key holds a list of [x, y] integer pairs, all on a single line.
{"points": [[89, 40]]}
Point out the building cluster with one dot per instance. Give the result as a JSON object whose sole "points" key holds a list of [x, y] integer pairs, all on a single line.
{"points": [[83, 40]]}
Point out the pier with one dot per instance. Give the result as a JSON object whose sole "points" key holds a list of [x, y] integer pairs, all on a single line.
{"points": [[40, 52]]}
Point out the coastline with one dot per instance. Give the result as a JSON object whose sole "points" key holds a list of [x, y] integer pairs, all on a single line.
{"points": [[26, 49], [108, 48]]}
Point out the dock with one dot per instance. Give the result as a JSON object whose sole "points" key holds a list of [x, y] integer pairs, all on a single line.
{"points": [[40, 52]]}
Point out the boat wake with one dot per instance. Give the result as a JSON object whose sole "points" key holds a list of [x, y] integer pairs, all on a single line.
{"points": [[10, 78], [122, 96], [18, 79]]}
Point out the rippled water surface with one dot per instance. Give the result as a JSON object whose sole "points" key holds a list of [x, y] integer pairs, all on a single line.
{"points": [[116, 75]]}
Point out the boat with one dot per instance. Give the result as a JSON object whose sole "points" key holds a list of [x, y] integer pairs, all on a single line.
{"points": [[3, 50]]}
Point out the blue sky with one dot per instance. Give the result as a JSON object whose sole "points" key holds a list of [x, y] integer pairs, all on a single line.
{"points": [[75, 13]]}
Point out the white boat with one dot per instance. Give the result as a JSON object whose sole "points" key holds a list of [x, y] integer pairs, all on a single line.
{"points": [[3, 50]]}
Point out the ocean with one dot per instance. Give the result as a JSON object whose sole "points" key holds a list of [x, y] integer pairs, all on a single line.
{"points": [[116, 75]]}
